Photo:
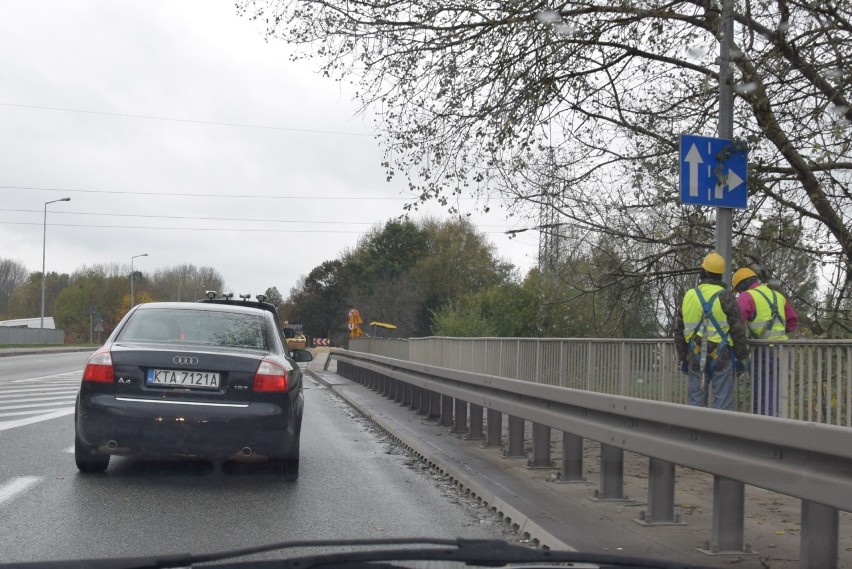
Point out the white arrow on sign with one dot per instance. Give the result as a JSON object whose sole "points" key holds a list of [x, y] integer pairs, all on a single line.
{"points": [[694, 159], [731, 181]]}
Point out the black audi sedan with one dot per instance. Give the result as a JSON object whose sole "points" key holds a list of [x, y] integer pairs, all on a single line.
{"points": [[211, 380]]}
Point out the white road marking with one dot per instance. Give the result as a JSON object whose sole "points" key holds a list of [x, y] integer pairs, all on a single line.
{"points": [[28, 398], [69, 449], [34, 405], [45, 390], [19, 413], [17, 486], [6, 425], [64, 376]]}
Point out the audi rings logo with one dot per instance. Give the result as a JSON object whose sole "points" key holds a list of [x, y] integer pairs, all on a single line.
{"points": [[185, 360]]}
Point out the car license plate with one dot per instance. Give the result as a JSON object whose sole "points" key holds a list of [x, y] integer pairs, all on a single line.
{"points": [[182, 378]]}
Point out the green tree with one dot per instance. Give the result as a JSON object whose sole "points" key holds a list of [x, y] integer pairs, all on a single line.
{"points": [[12, 275], [25, 301], [274, 297], [319, 302], [101, 289], [397, 273]]}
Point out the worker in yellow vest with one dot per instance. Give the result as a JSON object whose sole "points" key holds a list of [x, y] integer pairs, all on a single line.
{"points": [[769, 316], [710, 338]]}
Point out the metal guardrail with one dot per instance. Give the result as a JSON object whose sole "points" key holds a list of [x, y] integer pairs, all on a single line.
{"points": [[814, 377], [809, 461]]}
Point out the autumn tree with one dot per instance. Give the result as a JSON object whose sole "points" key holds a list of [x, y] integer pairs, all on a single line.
{"points": [[577, 107], [185, 282]]}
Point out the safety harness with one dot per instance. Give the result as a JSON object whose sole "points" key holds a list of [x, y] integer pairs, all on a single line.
{"points": [[773, 307], [703, 326]]}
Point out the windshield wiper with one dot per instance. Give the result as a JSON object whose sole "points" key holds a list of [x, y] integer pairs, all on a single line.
{"points": [[494, 553]]}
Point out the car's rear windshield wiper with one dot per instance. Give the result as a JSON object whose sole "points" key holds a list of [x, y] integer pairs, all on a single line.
{"points": [[494, 553]]}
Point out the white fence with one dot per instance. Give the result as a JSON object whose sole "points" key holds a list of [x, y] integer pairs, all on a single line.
{"points": [[814, 377]]}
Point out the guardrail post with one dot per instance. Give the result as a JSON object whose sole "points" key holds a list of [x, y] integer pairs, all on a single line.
{"points": [[612, 474], [661, 491], [460, 421], [415, 397], [819, 537], [446, 411], [398, 391], [474, 433], [572, 457], [434, 405], [728, 517], [516, 438], [494, 435], [407, 396], [423, 400], [540, 447]]}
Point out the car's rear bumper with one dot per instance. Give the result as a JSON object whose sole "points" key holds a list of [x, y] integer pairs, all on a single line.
{"points": [[127, 426]]}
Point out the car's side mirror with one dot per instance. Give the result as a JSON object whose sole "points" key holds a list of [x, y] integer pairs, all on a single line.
{"points": [[301, 356]]}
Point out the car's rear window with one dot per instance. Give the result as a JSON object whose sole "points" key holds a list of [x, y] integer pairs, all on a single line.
{"points": [[201, 327]]}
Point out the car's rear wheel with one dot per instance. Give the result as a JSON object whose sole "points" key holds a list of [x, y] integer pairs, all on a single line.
{"points": [[88, 459], [288, 467]]}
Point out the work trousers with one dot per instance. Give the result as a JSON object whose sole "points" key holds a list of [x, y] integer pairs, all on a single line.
{"points": [[717, 376]]}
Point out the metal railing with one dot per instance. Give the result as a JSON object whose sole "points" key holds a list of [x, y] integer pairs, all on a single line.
{"points": [[808, 461], [813, 377]]}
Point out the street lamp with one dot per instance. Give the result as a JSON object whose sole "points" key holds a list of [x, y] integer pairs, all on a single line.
{"points": [[43, 255], [131, 276]]}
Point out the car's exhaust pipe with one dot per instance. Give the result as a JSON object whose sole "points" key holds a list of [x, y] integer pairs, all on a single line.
{"points": [[112, 445], [246, 451]]}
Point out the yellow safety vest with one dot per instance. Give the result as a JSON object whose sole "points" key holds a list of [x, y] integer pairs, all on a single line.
{"points": [[769, 321], [694, 323]]}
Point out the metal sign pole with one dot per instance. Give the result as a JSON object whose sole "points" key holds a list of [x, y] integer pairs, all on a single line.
{"points": [[724, 215]]}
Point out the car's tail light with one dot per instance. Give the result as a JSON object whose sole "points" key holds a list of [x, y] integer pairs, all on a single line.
{"points": [[270, 377], [99, 368]]}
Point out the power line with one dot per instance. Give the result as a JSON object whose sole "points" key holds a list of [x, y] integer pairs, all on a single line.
{"points": [[63, 212], [149, 228], [174, 194], [194, 218], [191, 121]]}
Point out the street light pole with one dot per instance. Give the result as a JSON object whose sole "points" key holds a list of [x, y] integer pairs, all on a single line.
{"points": [[44, 256], [131, 276]]}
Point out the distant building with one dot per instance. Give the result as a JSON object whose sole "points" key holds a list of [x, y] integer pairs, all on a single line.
{"points": [[29, 323]]}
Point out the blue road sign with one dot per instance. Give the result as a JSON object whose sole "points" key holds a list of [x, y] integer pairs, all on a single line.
{"points": [[713, 171]]}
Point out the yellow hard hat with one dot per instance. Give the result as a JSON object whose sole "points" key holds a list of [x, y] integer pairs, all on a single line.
{"points": [[713, 263], [741, 275]]}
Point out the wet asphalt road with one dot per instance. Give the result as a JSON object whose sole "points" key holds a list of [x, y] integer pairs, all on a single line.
{"points": [[354, 483]]}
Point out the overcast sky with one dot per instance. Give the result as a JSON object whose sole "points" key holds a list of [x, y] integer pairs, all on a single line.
{"points": [[89, 94]]}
